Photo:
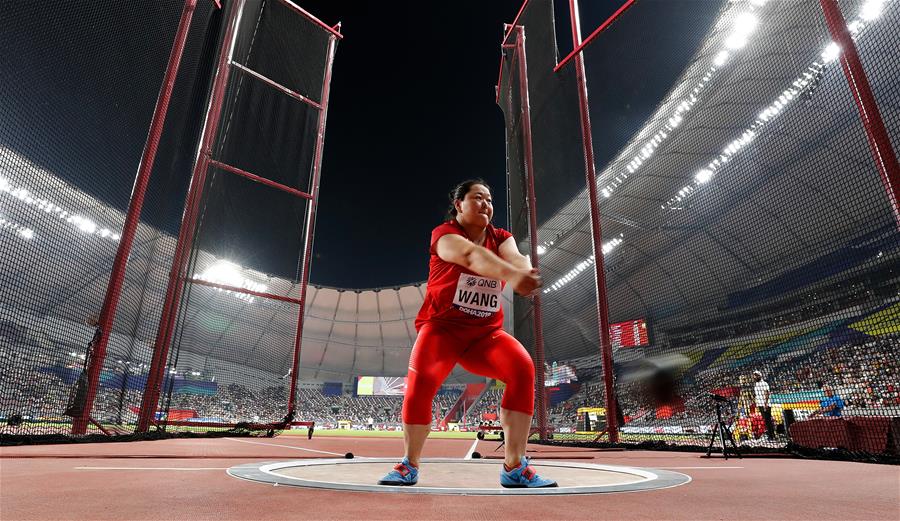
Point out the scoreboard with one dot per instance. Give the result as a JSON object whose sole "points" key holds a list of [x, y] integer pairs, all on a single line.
{"points": [[629, 334]]}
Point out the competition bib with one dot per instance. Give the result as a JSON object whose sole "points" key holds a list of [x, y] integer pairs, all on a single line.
{"points": [[477, 296]]}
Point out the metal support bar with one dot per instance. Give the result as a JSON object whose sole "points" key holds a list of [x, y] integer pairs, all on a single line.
{"points": [[879, 141], [580, 47], [533, 231], [188, 223], [508, 28], [245, 291], [311, 221], [302, 12], [132, 218], [262, 180], [274, 84], [590, 171]]}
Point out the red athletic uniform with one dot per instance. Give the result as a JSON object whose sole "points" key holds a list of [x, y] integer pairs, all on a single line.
{"points": [[461, 322]]}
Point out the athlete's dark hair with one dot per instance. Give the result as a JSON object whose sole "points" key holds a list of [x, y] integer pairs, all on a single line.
{"points": [[459, 193]]}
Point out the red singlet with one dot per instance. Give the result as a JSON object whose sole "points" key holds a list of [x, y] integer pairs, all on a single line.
{"points": [[456, 296], [461, 322]]}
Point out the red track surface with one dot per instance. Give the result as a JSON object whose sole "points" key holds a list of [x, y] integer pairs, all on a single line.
{"points": [[149, 480]]}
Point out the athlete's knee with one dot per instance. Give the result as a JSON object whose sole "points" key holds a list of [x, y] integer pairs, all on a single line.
{"points": [[520, 369], [519, 394], [420, 391]]}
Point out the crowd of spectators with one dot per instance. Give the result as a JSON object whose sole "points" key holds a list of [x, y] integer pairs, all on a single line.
{"points": [[42, 397], [865, 373]]}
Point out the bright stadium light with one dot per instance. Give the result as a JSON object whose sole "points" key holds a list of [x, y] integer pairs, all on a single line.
{"points": [[831, 52], [871, 10], [721, 58], [223, 272], [82, 223], [541, 250], [703, 176], [230, 274], [26, 233], [583, 265], [805, 81], [744, 24], [736, 41]]}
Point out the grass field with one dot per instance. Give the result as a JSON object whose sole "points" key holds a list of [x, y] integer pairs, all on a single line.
{"points": [[379, 434]]}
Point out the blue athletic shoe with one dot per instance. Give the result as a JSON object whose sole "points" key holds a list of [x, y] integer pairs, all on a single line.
{"points": [[403, 475], [523, 476]]}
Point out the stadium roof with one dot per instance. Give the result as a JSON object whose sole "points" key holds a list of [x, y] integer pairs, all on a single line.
{"points": [[753, 180], [347, 332]]}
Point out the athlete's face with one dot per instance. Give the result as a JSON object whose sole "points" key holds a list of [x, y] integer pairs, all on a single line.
{"points": [[477, 207]]}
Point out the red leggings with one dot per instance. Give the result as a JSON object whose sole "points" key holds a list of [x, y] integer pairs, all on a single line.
{"points": [[495, 354]]}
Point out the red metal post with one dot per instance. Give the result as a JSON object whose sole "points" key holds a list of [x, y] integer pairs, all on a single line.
{"points": [[188, 223], [261, 180], [311, 219], [533, 231], [879, 142], [132, 218], [243, 291], [590, 170]]}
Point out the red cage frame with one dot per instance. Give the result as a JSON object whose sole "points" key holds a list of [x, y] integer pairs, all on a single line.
{"points": [[177, 277]]}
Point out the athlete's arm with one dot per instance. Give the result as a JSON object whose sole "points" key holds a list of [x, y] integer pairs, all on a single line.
{"points": [[454, 248], [509, 252]]}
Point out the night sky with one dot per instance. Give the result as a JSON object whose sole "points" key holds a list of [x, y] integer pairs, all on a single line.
{"points": [[412, 113]]}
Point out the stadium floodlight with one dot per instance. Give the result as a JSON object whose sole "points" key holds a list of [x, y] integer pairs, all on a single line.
{"points": [[703, 176], [721, 58], [871, 10], [806, 80], [831, 52], [83, 223], [736, 41], [745, 23], [230, 274], [224, 272]]}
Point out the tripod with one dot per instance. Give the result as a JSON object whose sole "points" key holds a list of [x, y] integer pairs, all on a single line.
{"points": [[722, 431]]}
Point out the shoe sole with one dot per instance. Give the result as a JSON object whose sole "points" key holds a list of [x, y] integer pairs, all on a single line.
{"points": [[526, 486], [396, 484]]}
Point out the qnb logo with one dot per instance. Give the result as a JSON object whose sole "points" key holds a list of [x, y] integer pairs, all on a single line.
{"points": [[471, 281]]}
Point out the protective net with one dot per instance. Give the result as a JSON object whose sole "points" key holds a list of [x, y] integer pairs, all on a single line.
{"points": [[233, 324], [745, 219], [78, 101]]}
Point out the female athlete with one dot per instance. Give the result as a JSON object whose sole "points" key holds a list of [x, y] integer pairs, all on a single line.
{"points": [[461, 322]]}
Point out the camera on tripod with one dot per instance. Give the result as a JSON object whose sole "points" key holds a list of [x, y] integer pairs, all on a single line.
{"points": [[721, 431]]}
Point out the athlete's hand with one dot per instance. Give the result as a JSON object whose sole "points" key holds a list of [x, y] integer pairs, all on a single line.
{"points": [[526, 282]]}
